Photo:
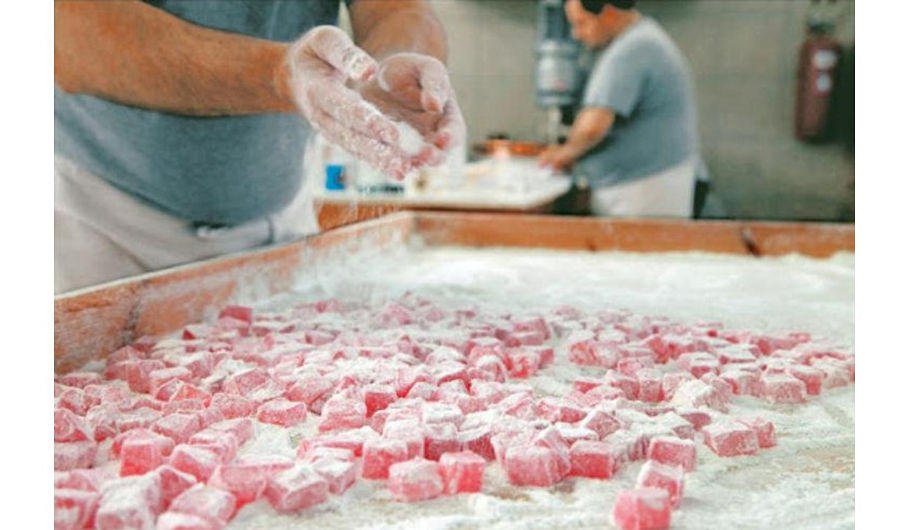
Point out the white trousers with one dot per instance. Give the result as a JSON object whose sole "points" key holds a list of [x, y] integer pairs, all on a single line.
{"points": [[665, 194], [103, 234]]}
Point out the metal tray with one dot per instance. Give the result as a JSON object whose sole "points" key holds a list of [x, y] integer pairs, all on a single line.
{"points": [[92, 322]]}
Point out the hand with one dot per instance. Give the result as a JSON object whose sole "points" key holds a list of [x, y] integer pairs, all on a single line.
{"points": [[415, 88], [558, 157], [319, 65]]}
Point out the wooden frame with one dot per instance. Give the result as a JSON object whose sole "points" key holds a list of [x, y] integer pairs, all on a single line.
{"points": [[90, 323]]}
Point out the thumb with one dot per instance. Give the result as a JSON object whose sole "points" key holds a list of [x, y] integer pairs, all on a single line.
{"points": [[434, 85]]}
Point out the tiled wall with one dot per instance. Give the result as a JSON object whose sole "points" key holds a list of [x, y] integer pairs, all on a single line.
{"points": [[743, 54]]}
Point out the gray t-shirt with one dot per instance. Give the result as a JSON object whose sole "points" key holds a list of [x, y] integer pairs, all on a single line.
{"points": [[644, 79], [222, 170]]}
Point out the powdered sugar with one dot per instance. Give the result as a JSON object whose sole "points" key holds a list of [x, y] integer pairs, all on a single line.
{"points": [[804, 482]]}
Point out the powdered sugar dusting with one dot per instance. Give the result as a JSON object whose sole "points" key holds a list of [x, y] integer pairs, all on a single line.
{"points": [[804, 482]]}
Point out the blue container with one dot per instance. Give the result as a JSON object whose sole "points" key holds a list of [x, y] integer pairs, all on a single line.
{"points": [[335, 177]]}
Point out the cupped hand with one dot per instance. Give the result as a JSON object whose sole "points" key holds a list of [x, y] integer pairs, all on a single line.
{"points": [[320, 65], [415, 88]]}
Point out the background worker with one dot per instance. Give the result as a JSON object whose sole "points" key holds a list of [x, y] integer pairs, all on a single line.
{"points": [[635, 139]]}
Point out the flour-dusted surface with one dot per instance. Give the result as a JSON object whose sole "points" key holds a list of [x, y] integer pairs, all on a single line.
{"points": [[804, 482]]}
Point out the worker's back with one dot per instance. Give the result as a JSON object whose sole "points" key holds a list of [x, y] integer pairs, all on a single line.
{"points": [[644, 79], [222, 170]]}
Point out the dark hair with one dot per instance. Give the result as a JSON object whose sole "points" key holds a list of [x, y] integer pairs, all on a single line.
{"points": [[595, 6]]}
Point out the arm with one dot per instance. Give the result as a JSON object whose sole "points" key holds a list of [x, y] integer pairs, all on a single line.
{"points": [[589, 129], [386, 27], [139, 55]]}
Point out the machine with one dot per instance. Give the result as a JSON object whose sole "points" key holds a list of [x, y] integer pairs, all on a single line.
{"points": [[559, 76]]}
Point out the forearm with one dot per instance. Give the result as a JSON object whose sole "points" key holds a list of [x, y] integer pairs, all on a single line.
{"points": [[589, 129], [580, 142], [385, 27], [138, 55]]}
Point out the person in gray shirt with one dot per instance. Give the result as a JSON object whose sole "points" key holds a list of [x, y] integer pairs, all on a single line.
{"points": [[180, 125], [635, 138]]}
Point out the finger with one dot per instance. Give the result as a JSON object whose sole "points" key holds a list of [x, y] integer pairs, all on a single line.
{"points": [[450, 130], [336, 48], [435, 85], [349, 108], [381, 156]]}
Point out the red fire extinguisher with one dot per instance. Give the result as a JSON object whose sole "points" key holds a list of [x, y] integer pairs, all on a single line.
{"points": [[816, 78]]}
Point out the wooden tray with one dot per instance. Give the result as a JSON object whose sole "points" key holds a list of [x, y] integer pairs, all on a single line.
{"points": [[90, 323]]}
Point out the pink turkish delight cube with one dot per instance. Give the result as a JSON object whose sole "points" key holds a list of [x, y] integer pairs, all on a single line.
{"points": [[339, 474], [242, 428], [742, 382], [343, 413], [642, 509], [282, 412], [650, 385], [246, 477], [462, 472], [673, 451], [478, 440], [764, 431], [410, 432], [173, 482], [195, 460], [295, 489], [697, 393], [351, 440], [80, 379], [440, 438], [593, 459], [783, 388], [697, 417], [378, 397], [183, 521], [601, 422], [698, 363], [524, 363], [102, 420], [213, 504], [74, 509], [737, 354], [131, 502], [74, 455], [237, 312], [533, 465], [82, 479], [245, 381], [179, 426], [631, 365], [672, 380], [73, 399], [731, 438], [811, 377], [585, 384], [137, 373], [379, 454], [233, 406], [657, 475], [585, 350], [160, 377], [68, 427], [415, 480], [164, 443], [423, 390], [140, 454], [628, 384], [224, 444]]}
